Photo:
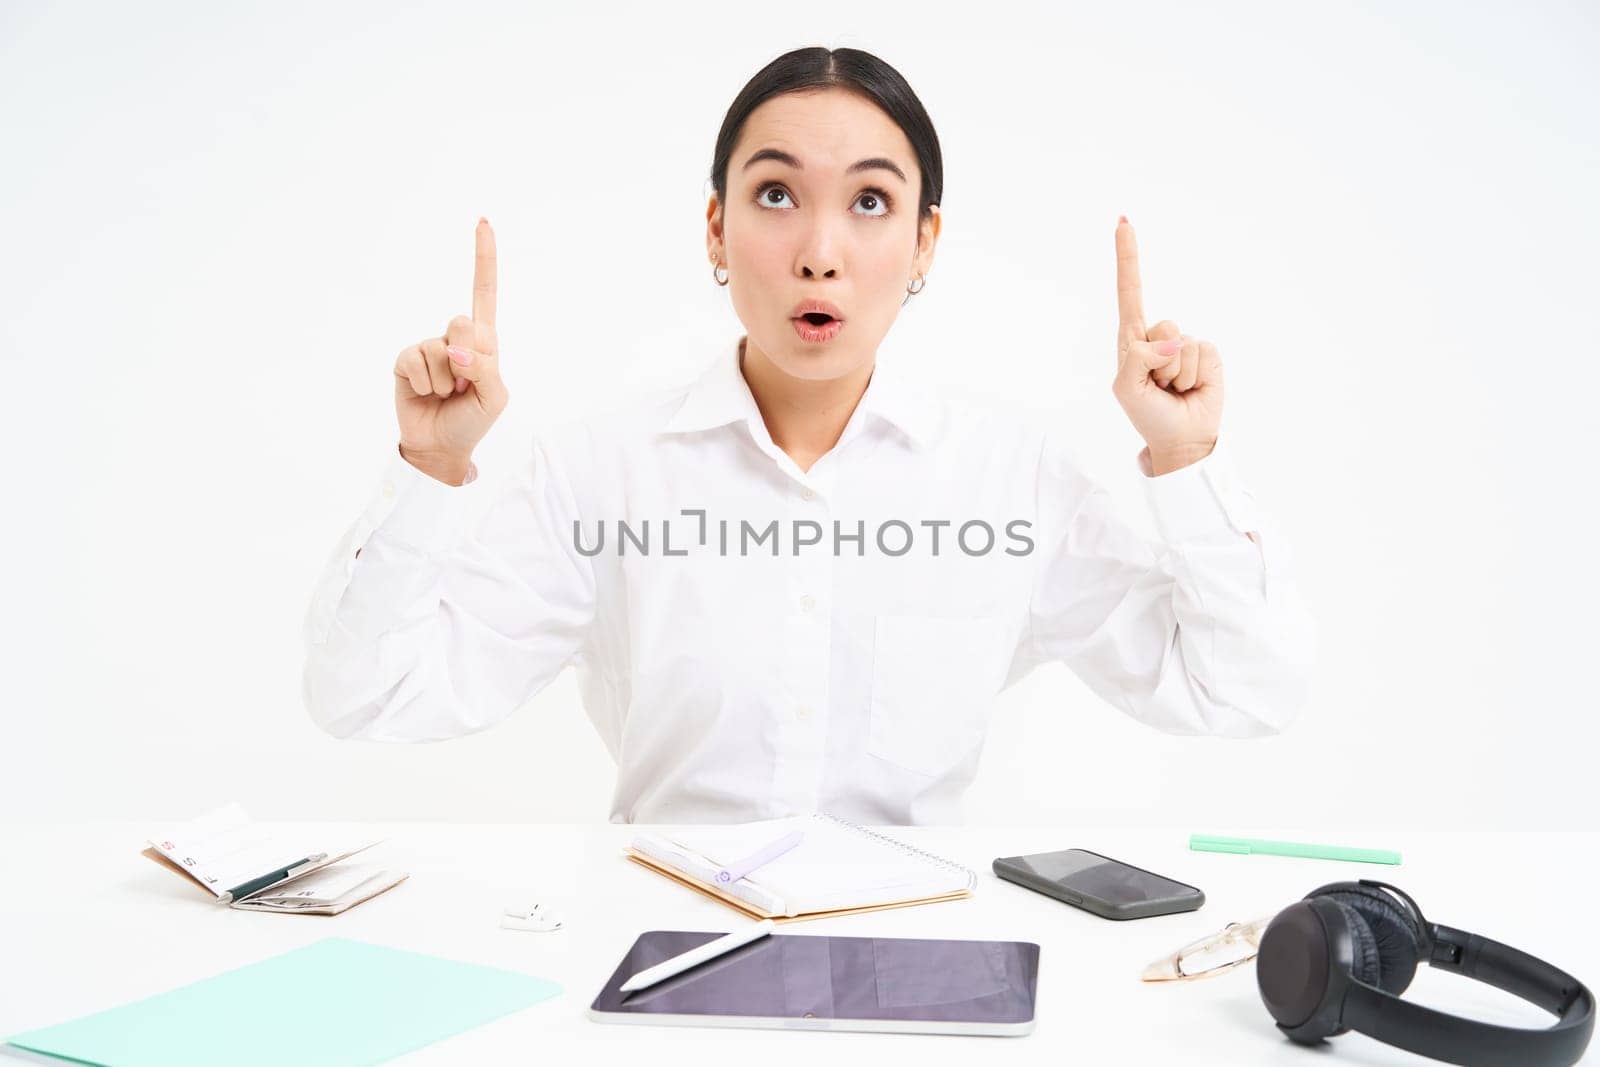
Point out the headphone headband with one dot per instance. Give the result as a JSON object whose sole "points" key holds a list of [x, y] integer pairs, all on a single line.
{"points": [[1315, 980], [1455, 1039]]}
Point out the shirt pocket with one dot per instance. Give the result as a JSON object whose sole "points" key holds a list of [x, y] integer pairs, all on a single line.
{"points": [[932, 680]]}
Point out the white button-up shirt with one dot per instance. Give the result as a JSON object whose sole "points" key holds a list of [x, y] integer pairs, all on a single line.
{"points": [[753, 640]]}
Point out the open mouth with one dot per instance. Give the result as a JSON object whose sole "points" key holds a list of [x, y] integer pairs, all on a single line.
{"points": [[816, 321], [815, 327]]}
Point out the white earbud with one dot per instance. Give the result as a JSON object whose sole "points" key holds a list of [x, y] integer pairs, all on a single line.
{"points": [[535, 917]]}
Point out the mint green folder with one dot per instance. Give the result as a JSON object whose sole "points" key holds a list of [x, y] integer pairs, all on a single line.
{"points": [[335, 1001]]}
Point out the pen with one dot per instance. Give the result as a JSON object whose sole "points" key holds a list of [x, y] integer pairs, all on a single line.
{"points": [[297, 867], [735, 871], [1244, 846], [699, 954]]}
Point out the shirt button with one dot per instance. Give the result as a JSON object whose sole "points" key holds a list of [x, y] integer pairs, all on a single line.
{"points": [[388, 489], [807, 602], [806, 494], [802, 712]]}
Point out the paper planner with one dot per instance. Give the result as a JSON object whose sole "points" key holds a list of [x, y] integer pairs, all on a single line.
{"points": [[251, 867], [838, 865]]}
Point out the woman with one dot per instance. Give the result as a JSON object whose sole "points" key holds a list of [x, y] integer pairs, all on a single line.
{"points": [[797, 584]]}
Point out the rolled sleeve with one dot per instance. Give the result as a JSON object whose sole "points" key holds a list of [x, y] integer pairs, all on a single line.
{"points": [[1207, 499], [418, 510], [1196, 635], [407, 506], [1202, 498], [455, 613]]}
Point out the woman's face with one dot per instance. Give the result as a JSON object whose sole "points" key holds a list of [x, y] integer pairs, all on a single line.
{"points": [[822, 205]]}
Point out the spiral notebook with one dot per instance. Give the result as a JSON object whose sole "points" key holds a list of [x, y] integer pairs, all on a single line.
{"points": [[839, 867]]}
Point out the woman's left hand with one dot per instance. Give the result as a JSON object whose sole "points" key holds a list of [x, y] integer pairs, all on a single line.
{"points": [[1170, 384]]}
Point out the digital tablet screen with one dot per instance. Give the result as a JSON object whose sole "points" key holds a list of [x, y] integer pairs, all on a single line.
{"points": [[821, 977]]}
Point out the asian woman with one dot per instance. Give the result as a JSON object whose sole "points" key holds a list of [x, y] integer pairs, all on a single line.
{"points": [[798, 583]]}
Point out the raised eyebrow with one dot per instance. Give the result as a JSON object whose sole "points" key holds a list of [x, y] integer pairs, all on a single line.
{"points": [[877, 163], [778, 155]]}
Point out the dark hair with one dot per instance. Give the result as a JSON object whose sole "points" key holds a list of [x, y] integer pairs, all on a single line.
{"points": [[844, 68]]}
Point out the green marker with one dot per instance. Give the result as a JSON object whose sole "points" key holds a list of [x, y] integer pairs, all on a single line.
{"points": [[1244, 846]]}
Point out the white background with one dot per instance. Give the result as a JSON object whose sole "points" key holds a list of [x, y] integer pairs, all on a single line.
{"points": [[220, 224]]}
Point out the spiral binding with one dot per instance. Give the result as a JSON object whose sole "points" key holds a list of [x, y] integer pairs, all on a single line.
{"points": [[972, 877]]}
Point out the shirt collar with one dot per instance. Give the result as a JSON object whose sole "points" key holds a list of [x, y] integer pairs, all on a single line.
{"points": [[721, 395]]}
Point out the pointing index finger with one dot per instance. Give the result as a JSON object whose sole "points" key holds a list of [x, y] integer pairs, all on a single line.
{"points": [[1130, 295], [483, 276]]}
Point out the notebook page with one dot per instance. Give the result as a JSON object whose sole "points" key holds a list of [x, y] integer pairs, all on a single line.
{"points": [[380, 882], [224, 848], [320, 887], [833, 867], [662, 847]]}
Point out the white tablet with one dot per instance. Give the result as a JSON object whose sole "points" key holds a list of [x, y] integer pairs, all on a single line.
{"points": [[818, 982]]}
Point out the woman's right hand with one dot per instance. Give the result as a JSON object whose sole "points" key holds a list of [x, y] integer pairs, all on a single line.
{"points": [[447, 390]]}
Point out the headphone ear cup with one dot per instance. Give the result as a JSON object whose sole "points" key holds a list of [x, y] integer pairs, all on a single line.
{"points": [[1363, 943], [1394, 932], [1292, 969], [1294, 964]]}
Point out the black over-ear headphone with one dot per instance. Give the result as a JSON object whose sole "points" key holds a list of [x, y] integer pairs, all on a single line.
{"points": [[1339, 959]]}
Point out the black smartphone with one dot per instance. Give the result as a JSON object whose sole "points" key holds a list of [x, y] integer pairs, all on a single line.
{"points": [[1100, 884]]}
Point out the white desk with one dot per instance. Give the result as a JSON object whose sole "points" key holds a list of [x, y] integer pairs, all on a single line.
{"points": [[87, 923]]}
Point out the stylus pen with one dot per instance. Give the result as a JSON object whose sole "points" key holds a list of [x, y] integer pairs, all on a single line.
{"points": [[738, 869], [1244, 846], [697, 955]]}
